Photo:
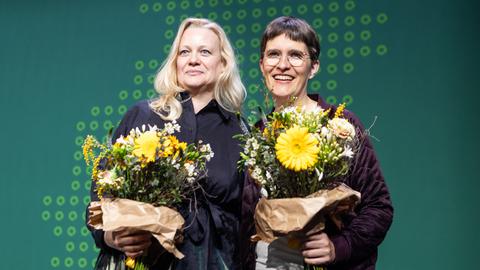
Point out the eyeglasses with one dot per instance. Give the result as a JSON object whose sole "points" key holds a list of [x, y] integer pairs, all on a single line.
{"points": [[295, 58]]}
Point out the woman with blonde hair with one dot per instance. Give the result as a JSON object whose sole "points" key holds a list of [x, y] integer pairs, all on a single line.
{"points": [[199, 86]]}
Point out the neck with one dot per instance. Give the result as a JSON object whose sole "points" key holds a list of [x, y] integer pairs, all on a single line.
{"points": [[301, 101], [200, 99]]}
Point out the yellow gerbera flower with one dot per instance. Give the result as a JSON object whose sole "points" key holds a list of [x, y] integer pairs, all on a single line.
{"points": [[146, 145], [296, 149]]}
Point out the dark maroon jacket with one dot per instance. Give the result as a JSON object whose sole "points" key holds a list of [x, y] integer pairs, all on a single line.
{"points": [[356, 244]]}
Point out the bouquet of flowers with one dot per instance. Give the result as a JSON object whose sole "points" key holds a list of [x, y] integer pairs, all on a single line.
{"points": [[297, 153], [300, 159], [143, 176]]}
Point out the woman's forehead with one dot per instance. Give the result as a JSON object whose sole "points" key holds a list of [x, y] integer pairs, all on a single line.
{"points": [[284, 42]]}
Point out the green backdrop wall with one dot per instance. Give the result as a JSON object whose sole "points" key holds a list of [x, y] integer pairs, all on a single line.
{"points": [[71, 68]]}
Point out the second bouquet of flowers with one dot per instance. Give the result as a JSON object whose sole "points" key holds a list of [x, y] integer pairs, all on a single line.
{"points": [[300, 160], [141, 178]]}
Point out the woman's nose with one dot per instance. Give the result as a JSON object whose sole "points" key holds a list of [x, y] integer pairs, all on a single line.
{"points": [[193, 58], [283, 62]]}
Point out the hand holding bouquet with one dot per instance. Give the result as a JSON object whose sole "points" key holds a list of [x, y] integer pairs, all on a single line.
{"points": [[140, 179]]}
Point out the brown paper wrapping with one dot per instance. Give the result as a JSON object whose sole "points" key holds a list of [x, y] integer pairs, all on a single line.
{"points": [[117, 214], [281, 217]]}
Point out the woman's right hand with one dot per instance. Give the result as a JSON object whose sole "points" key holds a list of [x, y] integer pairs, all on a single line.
{"points": [[132, 242]]}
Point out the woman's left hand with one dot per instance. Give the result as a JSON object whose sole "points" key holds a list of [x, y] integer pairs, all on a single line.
{"points": [[318, 249]]}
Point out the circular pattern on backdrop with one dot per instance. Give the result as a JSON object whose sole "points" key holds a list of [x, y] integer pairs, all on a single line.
{"points": [[348, 68], [317, 23], [347, 99], [317, 8], [302, 9], [156, 7], [333, 22], [333, 7], [82, 262], [68, 262], [256, 13], [348, 52], [55, 262], [349, 5], [46, 215], [287, 10]]}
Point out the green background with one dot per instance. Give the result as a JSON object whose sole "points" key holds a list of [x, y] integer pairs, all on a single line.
{"points": [[71, 68]]}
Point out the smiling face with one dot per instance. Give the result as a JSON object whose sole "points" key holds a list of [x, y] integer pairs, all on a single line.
{"points": [[283, 79], [199, 61]]}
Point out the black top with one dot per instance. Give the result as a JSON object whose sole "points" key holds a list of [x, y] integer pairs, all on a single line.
{"points": [[211, 234]]}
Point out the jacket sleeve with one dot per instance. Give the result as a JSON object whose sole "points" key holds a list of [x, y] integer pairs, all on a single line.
{"points": [[366, 229]]}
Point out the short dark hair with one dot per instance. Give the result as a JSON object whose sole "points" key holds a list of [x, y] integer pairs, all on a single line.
{"points": [[295, 29]]}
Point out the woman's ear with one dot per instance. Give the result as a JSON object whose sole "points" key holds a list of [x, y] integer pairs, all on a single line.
{"points": [[314, 69]]}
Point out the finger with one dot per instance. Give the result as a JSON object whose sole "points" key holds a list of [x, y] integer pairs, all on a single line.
{"points": [[321, 243], [135, 248], [316, 235], [133, 241], [316, 261], [318, 256], [312, 233], [133, 255], [131, 232]]}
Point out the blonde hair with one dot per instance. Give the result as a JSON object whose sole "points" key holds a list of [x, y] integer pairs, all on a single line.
{"points": [[229, 90]]}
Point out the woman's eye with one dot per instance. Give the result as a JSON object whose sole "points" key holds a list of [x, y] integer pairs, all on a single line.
{"points": [[205, 52], [183, 52], [296, 56], [273, 55]]}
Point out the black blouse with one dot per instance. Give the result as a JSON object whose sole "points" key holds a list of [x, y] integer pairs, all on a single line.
{"points": [[211, 234]]}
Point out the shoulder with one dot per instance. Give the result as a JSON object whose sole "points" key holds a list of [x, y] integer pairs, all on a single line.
{"points": [[141, 107], [137, 115], [138, 111]]}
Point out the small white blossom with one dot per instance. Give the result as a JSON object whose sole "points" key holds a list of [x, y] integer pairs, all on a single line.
{"points": [[347, 152], [207, 149], [324, 132], [268, 175], [190, 169], [264, 192], [250, 162], [289, 110], [319, 174], [154, 127], [171, 127], [121, 140]]}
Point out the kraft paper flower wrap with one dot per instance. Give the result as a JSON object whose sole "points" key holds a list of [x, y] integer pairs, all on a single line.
{"points": [[140, 179], [300, 160], [281, 217], [164, 223]]}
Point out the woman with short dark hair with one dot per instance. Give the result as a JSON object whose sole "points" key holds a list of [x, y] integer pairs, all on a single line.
{"points": [[290, 52]]}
